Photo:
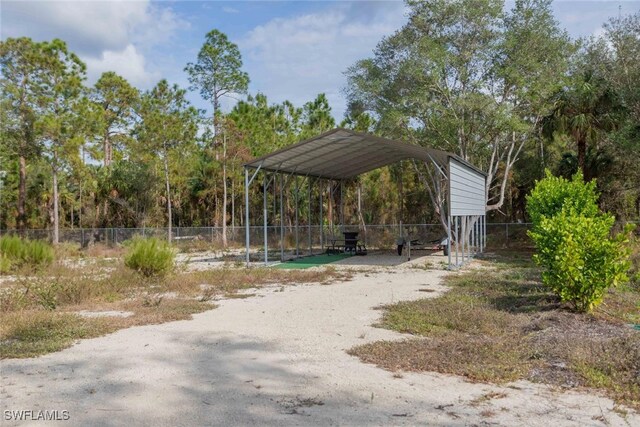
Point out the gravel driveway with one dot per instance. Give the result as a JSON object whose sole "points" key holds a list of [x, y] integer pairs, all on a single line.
{"points": [[278, 359]]}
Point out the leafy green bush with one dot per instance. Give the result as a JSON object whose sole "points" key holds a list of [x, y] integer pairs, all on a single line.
{"points": [[150, 257], [15, 251], [574, 243], [554, 194], [581, 261]]}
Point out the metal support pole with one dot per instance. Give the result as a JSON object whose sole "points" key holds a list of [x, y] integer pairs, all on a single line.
{"points": [[449, 240], [264, 220], [246, 211], [478, 235], [484, 224], [341, 205], [482, 234], [321, 222], [474, 244], [309, 216], [456, 220], [281, 222], [297, 223], [464, 236], [507, 228]]}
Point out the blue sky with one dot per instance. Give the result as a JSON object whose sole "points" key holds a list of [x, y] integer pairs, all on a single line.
{"points": [[291, 50]]}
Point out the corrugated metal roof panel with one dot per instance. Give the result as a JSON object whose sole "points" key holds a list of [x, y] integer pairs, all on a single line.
{"points": [[343, 154]]}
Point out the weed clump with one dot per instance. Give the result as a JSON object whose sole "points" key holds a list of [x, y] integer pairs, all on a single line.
{"points": [[150, 256], [16, 252]]}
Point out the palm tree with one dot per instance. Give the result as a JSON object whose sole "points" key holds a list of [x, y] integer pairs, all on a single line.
{"points": [[584, 111]]}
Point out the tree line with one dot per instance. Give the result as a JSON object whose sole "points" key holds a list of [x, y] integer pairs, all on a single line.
{"points": [[508, 90]]}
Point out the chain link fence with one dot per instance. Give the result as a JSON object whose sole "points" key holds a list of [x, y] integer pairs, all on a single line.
{"points": [[373, 236]]}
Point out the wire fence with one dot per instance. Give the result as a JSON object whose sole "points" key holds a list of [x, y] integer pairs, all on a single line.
{"points": [[373, 236]]}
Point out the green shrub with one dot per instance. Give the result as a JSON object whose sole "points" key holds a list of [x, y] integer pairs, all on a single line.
{"points": [[581, 261], [37, 253], [554, 194], [5, 263], [12, 247], [15, 251], [574, 243], [150, 257]]}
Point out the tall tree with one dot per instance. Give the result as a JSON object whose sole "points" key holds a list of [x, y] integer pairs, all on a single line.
{"points": [[20, 60], [115, 99], [168, 123], [317, 116], [217, 73], [452, 77], [60, 83], [585, 110]]}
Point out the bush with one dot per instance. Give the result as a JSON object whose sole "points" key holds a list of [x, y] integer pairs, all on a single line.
{"points": [[37, 252], [5, 263], [11, 247], [15, 251], [581, 261], [574, 243], [150, 257], [554, 194]]}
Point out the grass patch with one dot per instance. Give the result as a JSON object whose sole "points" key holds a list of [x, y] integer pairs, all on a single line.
{"points": [[150, 256], [499, 323], [16, 252], [38, 309], [31, 333]]}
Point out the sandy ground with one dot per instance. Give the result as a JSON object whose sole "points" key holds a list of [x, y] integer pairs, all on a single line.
{"points": [[279, 359]]}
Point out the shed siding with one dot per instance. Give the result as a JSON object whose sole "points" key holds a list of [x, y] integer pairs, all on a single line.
{"points": [[466, 190]]}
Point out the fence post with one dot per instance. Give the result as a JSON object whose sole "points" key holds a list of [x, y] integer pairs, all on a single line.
{"points": [[507, 228]]}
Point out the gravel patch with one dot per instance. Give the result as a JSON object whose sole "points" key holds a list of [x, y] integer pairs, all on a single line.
{"points": [[281, 360]]}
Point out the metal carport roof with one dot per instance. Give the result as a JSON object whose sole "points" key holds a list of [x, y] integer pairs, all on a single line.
{"points": [[343, 154]]}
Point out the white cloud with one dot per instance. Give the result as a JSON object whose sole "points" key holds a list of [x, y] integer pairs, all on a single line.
{"points": [[107, 35], [296, 58], [128, 63], [228, 9]]}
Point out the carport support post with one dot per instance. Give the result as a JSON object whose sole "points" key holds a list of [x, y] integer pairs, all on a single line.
{"points": [[449, 240], [297, 222], [321, 222], [264, 219], [246, 210], [484, 232], [455, 220], [341, 206], [478, 234], [281, 223], [464, 236], [309, 217], [472, 246]]}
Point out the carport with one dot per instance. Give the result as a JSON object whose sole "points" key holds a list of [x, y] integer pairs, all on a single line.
{"points": [[340, 155]]}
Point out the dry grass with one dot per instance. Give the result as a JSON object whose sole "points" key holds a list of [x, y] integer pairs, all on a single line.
{"points": [[38, 311], [499, 324]]}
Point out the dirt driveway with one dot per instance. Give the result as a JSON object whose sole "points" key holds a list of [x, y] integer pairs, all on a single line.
{"points": [[278, 359]]}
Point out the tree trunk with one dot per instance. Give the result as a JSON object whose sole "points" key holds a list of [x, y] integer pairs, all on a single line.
{"points": [[233, 204], [22, 194], [56, 219], [582, 154], [224, 191], [166, 180], [107, 163]]}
